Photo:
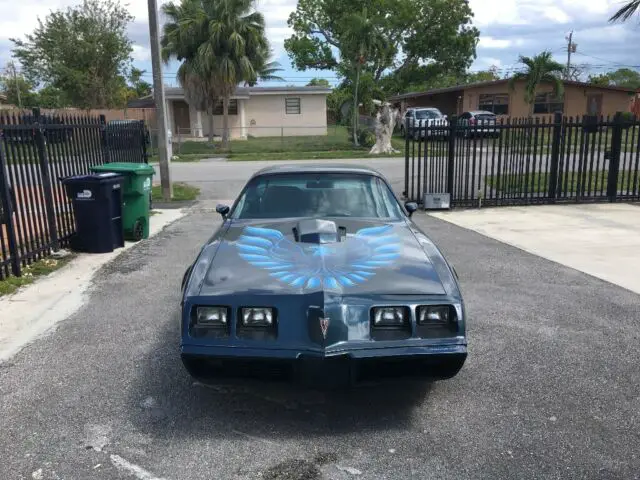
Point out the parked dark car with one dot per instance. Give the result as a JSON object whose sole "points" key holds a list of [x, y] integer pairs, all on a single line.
{"points": [[318, 274], [478, 123]]}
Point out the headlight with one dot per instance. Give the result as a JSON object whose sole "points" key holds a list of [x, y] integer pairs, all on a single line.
{"points": [[434, 315], [257, 317], [390, 316], [212, 316]]}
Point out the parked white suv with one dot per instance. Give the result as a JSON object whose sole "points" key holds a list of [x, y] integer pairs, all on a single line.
{"points": [[416, 119]]}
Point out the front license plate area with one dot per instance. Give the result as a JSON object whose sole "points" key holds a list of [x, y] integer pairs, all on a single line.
{"points": [[324, 371]]}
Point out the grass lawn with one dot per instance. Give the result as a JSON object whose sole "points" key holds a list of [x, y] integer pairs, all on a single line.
{"points": [[31, 273], [539, 182], [335, 144], [330, 155], [192, 157], [181, 192]]}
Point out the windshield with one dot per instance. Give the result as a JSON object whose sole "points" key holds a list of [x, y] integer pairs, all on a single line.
{"points": [[422, 114], [317, 195]]}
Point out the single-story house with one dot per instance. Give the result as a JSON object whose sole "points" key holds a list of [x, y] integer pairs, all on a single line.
{"points": [[254, 111], [579, 99]]}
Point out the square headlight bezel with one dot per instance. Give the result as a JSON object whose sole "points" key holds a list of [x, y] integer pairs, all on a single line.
{"points": [[406, 320], [212, 329], [211, 324], [240, 324]]}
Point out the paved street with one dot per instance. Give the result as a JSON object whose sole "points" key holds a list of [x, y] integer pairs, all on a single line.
{"points": [[550, 388], [220, 179]]}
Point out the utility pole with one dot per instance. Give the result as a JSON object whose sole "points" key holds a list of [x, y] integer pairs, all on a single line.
{"points": [[159, 98], [571, 48]]}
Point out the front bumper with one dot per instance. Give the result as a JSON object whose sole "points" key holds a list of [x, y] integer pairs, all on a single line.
{"points": [[325, 369]]}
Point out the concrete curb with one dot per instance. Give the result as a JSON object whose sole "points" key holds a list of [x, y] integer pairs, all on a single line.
{"points": [[35, 309]]}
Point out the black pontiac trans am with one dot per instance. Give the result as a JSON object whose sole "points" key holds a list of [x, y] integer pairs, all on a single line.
{"points": [[318, 274]]}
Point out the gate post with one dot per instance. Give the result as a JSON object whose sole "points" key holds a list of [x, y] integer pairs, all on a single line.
{"points": [[43, 160], [406, 160], [614, 161], [5, 201], [451, 155], [555, 156], [103, 139]]}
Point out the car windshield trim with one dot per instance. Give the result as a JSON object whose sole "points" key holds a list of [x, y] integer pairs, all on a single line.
{"points": [[317, 195]]}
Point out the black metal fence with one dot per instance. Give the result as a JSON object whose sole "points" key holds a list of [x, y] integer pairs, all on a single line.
{"points": [[525, 161], [36, 151]]}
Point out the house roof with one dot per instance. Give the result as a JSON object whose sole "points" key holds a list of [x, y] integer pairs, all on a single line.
{"points": [[499, 82], [144, 102], [246, 92]]}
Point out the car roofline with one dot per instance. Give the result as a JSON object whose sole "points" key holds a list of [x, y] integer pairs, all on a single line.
{"points": [[317, 168]]}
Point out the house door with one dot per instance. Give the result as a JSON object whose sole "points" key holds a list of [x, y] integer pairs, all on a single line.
{"points": [[181, 118], [594, 104]]}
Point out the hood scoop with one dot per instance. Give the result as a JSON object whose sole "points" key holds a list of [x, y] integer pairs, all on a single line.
{"points": [[318, 231]]}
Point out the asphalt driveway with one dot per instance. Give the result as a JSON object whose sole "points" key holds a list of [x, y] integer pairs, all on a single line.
{"points": [[550, 388]]}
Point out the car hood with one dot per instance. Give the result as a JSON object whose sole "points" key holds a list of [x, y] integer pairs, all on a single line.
{"points": [[370, 257]]}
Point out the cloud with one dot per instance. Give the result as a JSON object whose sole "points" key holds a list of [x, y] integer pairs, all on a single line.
{"points": [[141, 54], [490, 42]]}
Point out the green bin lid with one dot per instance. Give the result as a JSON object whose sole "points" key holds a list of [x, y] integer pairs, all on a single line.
{"points": [[124, 167]]}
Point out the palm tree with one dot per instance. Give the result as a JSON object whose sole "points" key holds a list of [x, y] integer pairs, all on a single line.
{"points": [[626, 12], [236, 43], [220, 44], [266, 70], [540, 69], [182, 35]]}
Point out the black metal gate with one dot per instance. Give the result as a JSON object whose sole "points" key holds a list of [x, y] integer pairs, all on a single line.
{"points": [[526, 161], [36, 150]]}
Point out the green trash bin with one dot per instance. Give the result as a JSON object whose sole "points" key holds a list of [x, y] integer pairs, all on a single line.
{"points": [[136, 196]]}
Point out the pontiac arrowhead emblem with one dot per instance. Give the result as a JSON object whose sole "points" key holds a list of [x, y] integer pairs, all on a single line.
{"points": [[324, 326]]}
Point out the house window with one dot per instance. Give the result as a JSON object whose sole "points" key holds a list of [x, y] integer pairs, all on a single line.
{"points": [[233, 107], [292, 106], [497, 103], [548, 103]]}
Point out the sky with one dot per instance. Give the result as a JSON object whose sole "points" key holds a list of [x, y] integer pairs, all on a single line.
{"points": [[508, 28]]}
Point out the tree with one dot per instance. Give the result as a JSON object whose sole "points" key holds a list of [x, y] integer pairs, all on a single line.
{"points": [[539, 69], [266, 70], [83, 51], [626, 12], [385, 123], [17, 89], [362, 40], [623, 77], [221, 43], [489, 75], [424, 32], [602, 79], [319, 82], [139, 87], [378, 37]]}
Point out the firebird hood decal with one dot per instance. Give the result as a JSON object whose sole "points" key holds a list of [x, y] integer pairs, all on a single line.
{"points": [[329, 266], [262, 257]]}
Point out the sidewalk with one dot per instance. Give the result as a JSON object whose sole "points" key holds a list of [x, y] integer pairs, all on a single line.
{"points": [[601, 239], [35, 309]]}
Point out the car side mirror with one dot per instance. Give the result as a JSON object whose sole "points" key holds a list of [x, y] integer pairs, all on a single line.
{"points": [[411, 207], [223, 210]]}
